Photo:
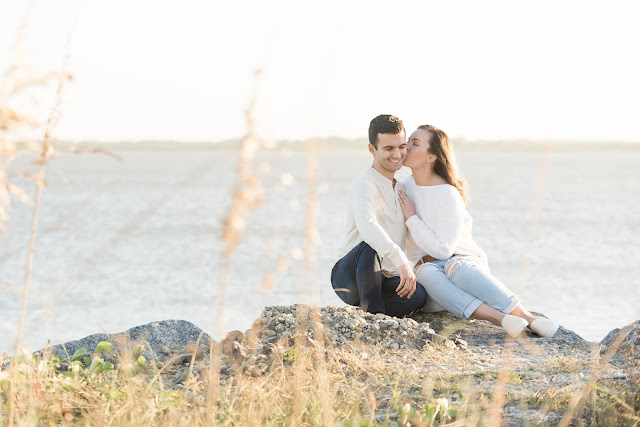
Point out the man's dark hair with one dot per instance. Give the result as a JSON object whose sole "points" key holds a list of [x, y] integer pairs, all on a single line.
{"points": [[384, 123]]}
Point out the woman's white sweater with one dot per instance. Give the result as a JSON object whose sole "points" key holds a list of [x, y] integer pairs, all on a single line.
{"points": [[441, 226]]}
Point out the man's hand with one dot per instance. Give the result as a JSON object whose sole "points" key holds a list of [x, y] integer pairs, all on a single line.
{"points": [[407, 206], [407, 284]]}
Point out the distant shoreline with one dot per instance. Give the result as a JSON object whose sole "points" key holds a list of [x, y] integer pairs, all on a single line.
{"points": [[339, 144]]}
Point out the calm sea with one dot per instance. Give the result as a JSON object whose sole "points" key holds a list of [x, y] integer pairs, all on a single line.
{"points": [[122, 243]]}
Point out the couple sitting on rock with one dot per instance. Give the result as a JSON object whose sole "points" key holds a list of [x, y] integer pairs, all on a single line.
{"points": [[408, 244]]}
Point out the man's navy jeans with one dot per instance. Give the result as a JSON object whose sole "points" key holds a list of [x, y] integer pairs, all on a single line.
{"points": [[358, 280]]}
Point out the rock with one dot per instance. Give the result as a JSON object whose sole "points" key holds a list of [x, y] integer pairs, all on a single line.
{"points": [[279, 325], [235, 336], [233, 347], [4, 360], [340, 326], [460, 343], [162, 339], [434, 338], [631, 334]]}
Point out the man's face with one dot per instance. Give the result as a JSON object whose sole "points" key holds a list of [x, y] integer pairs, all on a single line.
{"points": [[391, 152]]}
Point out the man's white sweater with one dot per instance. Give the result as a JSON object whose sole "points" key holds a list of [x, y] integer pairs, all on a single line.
{"points": [[375, 216]]}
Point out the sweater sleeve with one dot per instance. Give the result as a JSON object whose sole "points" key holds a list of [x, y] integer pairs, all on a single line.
{"points": [[362, 196], [441, 241]]}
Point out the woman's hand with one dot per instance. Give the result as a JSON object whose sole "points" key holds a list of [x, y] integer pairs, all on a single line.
{"points": [[408, 208]]}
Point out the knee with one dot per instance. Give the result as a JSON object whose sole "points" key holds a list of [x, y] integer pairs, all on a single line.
{"points": [[350, 298], [347, 296], [451, 267], [464, 263]]}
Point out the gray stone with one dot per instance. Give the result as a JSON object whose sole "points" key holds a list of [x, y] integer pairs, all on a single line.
{"points": [[631, 333], [4, 360], [163, 339], [434, 338]]}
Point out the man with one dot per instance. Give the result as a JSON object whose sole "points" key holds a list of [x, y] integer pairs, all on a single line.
{"points": [[373, 272]]}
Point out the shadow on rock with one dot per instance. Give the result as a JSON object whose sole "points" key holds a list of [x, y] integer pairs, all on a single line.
{"points": [[482, 333]]}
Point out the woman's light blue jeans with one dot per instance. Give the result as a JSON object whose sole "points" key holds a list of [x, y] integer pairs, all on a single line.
{"points": [[461, 284]]}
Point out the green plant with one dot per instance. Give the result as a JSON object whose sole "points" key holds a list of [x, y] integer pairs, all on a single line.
{"points": [[289, 355]]}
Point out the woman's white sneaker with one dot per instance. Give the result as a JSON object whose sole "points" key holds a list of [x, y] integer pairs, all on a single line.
{"points": [[513, 325], [544, 327]]}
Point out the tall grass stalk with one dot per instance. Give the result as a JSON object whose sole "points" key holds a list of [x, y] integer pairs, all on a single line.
{"points": [[46, 152], [247, 195], [310, 282]]}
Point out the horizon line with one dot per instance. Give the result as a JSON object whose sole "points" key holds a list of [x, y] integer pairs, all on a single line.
{"points": [[464, 140]]}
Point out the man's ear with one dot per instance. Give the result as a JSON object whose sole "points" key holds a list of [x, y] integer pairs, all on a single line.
{"points": [[372, 149]]}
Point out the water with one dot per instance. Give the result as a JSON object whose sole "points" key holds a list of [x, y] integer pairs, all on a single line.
{"points": [[125, 243]]}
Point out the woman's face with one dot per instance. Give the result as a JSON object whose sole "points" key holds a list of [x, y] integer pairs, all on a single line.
{"points": [[417, 150]]}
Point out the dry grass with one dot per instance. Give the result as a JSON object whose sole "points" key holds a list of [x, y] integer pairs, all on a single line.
{"points": [[360, 385]]}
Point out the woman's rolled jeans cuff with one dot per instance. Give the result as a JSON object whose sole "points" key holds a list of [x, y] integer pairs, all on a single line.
{"points": [[431, 306], [467, 285]]}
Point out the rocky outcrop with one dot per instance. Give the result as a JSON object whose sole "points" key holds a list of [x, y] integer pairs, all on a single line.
{"points": [[336, 326], [339, 326]]}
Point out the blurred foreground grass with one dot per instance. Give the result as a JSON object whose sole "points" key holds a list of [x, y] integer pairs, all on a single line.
{"points": [[359, 385]]}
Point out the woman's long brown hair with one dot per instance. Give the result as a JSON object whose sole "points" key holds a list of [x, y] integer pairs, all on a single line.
{"points": [[446, 165]]}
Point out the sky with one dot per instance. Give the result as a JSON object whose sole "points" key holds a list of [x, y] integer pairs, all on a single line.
{"points": [[185, 70]]}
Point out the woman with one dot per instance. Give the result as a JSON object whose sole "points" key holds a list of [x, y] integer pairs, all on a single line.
{"points": [[439, 225]]}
